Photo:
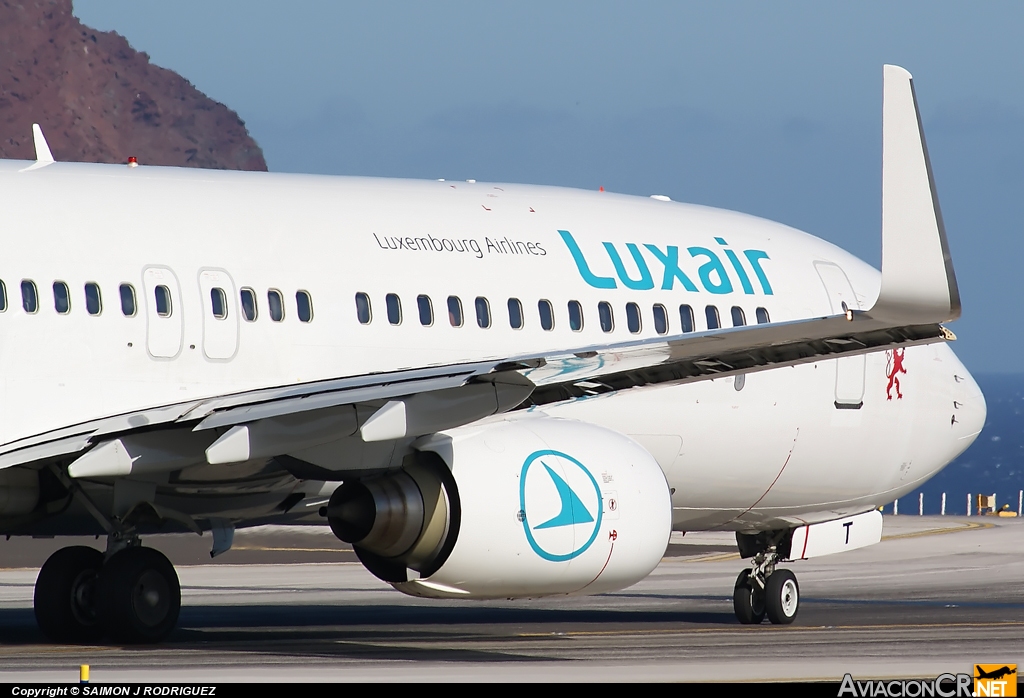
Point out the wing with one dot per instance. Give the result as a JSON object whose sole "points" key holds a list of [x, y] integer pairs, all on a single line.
{"points": [[918, 293]]}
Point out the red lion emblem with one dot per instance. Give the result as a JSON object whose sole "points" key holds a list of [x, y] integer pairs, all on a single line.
{"points": [[894, 366]]}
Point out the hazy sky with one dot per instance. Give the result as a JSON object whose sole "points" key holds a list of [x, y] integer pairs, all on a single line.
{"points": [[772, 109]]}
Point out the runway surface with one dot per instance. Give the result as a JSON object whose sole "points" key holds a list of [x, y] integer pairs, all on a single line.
{"points": [[937, 595]]}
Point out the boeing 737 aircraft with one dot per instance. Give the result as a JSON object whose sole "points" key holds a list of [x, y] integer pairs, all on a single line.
{"points": [[522, 390]]}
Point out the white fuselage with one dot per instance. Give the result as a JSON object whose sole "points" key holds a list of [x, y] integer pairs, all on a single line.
{"points": [[787, 444]]}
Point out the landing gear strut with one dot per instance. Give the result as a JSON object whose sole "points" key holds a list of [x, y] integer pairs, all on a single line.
{"points": [[132, 597], [765, 590]]}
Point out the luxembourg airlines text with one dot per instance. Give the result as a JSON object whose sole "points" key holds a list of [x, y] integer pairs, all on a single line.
{"points": [[430, 243]]}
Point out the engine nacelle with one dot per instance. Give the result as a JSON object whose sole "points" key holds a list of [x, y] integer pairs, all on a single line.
{"points": [[523, 508]]}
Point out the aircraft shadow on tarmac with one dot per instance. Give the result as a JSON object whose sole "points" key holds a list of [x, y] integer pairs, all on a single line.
{"points": [[336, 631]]}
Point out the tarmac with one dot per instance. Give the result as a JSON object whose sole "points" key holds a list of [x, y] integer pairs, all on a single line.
{"points": [[937, 595]]}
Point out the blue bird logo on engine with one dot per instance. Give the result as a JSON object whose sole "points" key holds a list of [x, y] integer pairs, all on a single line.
{"points": [[564, 498]]}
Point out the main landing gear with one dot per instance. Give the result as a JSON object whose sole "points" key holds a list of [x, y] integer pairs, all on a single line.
{"points": [[765, 590], [131, 596]]}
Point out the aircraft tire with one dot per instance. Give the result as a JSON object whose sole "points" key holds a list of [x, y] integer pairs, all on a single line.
{"points": [[782, 597], [65, 592], [138, 596], [748, 600]]}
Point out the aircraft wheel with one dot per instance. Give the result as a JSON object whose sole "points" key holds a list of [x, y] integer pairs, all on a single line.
{"points": [[138, 596], [782, 597], [65, 592], [748, 600]]}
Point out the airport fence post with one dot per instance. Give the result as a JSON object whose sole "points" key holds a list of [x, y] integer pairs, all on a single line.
{"points": [[943, 504], [968, 503], [920, 504]]}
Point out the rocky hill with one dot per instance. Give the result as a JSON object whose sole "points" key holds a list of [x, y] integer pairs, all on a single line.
{"points": [[99, 100]]}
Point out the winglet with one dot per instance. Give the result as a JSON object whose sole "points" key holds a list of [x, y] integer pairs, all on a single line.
{"points": [[918, 283], [43, 154]]}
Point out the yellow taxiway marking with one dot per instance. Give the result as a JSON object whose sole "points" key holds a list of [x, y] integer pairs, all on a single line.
{"points": [[718, 557], [774, 628], [261, 548], [969, 526], [59, 649]]}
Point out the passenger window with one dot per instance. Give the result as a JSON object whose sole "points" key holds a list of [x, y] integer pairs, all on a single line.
{"points": [[660, 319], [363, 308], [93, 299], [633, 317], [249, 310], [219, 303], [394, 307], [455, 311], [711, 313], [61, 298], [686, 318], [604, 314], [738, 318], [275, 302], [515, 314], [575, 316], [127, 300], [547, 315], [426, 310], [29, 297], [163, 301], [3, 297], [304, 305], [762, 316], [483, 312]]}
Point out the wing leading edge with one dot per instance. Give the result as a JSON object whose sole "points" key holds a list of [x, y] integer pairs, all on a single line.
{"points": [[918, 293]]}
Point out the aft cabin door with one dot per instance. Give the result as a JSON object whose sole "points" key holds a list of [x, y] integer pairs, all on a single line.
{"points": [[849, 393], [220, 314], [164, 319]]}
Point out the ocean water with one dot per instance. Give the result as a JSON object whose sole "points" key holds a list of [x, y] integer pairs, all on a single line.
{"points": [[994, 463]]}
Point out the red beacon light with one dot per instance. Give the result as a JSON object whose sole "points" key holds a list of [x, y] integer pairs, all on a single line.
{"points": [[133, 161]]}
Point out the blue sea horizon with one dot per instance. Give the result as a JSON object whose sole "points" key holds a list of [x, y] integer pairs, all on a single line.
{"points": [[993, 464]]}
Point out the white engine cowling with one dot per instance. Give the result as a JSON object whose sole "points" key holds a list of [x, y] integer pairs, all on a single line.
{"points": [[531, 507]]}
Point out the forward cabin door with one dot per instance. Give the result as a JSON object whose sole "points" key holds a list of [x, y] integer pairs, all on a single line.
{"points": [[220, 314], [850, 370], [164, 312]]}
